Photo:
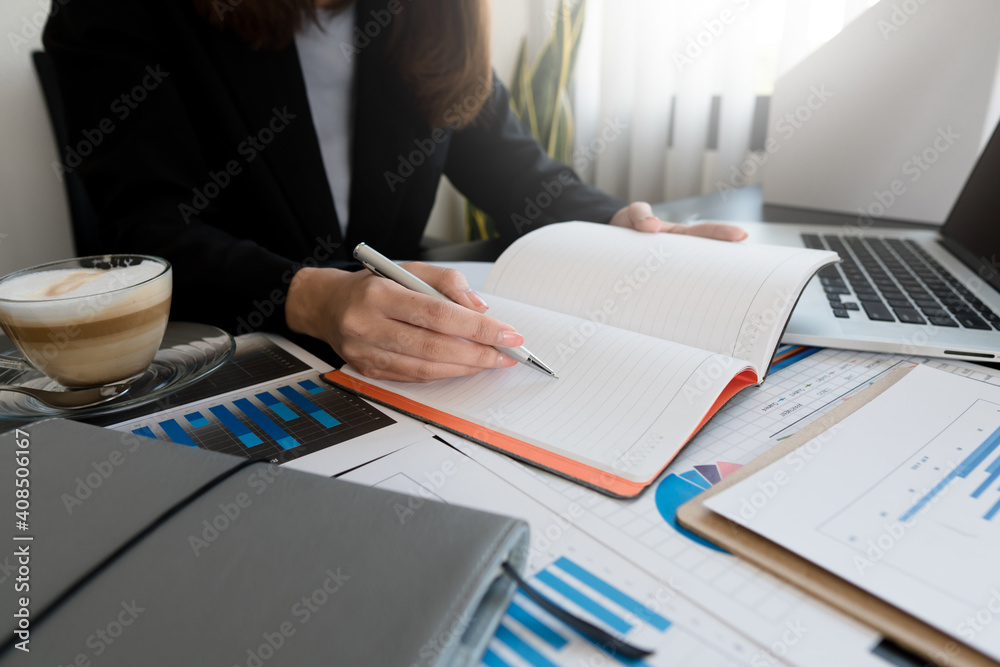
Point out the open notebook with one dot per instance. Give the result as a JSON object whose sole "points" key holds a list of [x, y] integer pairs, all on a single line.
{"points": [[650, 334]]}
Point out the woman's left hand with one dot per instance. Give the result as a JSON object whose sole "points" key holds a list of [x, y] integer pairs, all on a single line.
{"points": [[639, 216]]}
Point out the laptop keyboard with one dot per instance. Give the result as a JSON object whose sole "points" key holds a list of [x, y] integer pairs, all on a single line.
{"points": [[895, 280]]}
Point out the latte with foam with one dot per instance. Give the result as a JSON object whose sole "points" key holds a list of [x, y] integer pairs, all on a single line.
{"points": [[88, 322]]}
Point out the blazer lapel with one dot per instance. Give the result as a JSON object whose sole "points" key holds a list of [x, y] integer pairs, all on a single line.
{"points": [[272, 97]]}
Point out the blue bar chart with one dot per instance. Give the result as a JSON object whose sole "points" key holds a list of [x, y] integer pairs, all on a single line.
{"points": [[529, 635], [282, 421], [951, 480], [969, 465], [265, 403]]}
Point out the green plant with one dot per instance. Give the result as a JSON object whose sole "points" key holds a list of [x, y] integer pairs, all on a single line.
{"points": [[540, 98]]}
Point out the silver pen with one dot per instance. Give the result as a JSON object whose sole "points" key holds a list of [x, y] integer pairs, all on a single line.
{"points": [[381, 265]]}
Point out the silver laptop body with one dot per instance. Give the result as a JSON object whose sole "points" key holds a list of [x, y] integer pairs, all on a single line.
{"points": [[942, 296]]}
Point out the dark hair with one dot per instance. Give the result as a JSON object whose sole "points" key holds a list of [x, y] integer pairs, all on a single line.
{"points": [[439, 48]]}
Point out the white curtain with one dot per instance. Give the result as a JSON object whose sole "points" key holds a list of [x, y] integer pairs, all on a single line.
{"points": [[666, 90]]}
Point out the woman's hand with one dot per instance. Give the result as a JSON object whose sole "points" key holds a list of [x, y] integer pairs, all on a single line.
{"points": [[639, 216], [388, 332]]}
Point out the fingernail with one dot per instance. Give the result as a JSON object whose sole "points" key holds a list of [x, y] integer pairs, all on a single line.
{"points": [[510, 339], [503, 361], [476, 299]]}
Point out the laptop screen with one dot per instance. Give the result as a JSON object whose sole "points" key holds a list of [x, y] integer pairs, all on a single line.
{"points": [[972, 231]]}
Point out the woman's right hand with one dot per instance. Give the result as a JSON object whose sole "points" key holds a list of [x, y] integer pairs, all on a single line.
{"points": [[388, 332]]}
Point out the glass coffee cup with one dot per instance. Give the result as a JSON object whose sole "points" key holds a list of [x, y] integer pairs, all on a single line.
{"points": [[88, 321]]}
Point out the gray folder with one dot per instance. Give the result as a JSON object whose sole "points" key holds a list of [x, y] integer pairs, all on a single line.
{"points": [[252, 566]]}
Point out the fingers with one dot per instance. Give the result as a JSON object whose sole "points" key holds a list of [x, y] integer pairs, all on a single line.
{"points": [[450, 319], [394, 333], [403, 352], [708, 230], [639, 216], [453, 284]]}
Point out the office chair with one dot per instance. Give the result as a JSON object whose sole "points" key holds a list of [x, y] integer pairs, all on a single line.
{"points": [[83, 217]]}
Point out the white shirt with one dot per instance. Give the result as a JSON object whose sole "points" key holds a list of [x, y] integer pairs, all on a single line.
{"points": [[329, 78]]}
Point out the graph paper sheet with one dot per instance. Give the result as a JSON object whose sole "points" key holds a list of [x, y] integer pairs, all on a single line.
{"points": [[901, 498]]}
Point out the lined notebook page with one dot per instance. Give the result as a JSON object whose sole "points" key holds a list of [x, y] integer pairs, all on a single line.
{"points": [[624, 402], [722, 297]]}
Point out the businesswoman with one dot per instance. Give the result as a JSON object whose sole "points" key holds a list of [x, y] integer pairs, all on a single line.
{"points": [[254, 143]]}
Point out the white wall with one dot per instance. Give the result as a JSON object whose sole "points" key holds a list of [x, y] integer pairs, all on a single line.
{"points": [[34, 219], [34, 222]]}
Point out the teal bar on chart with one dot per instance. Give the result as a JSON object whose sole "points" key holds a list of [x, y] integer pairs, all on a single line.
{"points": [[584, 601], [260, 419], [311, 387], [523, 648], [238, 428], [610, 592], [308, 407], [276, 406], [491, 659], [196, 419], [542, 631]]}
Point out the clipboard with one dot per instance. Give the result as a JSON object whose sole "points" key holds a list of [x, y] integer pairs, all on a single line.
{"points": [[907, 631]]}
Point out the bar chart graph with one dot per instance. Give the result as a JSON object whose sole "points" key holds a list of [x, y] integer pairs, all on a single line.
{"points": [[281, 421], [949, 487], [899, 498], [265, 403], [953, 478], [530, 635], [971, 464]]}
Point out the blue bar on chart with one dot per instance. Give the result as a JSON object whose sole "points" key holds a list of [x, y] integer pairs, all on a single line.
{"points": [[491, 659], [308, 407], [230, 421], [311, 387], [994, 473], [176, 433], [522, 648], [260, 419], [276, 406], [584, 601], [610, 592], [551, 633], [971, 462], [540, 630], [993, 511], [145, 432], [196, 419]]}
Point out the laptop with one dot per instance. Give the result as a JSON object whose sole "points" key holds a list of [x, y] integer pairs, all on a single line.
{"points": [[931, 293]]}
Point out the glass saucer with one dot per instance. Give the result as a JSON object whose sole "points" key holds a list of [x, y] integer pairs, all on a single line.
{"points": [[187, 354]]}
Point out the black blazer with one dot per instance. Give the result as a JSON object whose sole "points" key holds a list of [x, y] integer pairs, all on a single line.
{"points": [[197, 149]]}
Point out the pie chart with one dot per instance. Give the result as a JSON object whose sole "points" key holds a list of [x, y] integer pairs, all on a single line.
{"points": [[675, 490]]}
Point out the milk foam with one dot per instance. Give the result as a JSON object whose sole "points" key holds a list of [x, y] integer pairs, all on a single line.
{"points": [[71, 283], [82, 295]]}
